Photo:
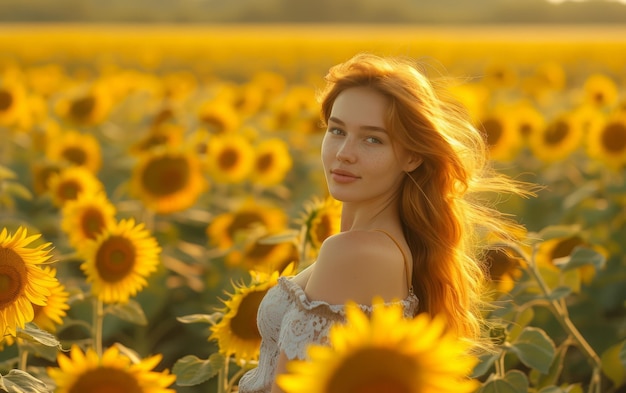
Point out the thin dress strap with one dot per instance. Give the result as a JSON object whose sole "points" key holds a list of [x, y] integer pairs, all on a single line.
{"points": [[406, 264]]}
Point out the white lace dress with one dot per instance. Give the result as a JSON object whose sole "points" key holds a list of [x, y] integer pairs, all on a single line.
{"points": [[289, 321]]}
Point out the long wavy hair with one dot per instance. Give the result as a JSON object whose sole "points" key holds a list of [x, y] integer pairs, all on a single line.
{"points": [[442, 204]]}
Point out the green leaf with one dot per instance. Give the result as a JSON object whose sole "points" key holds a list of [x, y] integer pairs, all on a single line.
{"points": [[191, 370], [552, 376], [32, 333], [535, 349], [559, 293], [18, 381], [18, 190], [513, 382], [211, 319], [484, 364], [521, 321], [613, 363], [582, 256], [557, 232], [6, 173], [129, 312]]}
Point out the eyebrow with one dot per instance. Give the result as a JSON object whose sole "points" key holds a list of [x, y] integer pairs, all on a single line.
{"points": [[369, 128]]}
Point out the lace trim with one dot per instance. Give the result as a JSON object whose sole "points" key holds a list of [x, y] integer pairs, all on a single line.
{"points": [[309, 321]]}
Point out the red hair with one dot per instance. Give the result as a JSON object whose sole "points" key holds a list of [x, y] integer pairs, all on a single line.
{"points": [[439, 213]]}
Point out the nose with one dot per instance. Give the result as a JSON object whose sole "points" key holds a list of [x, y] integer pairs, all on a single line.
{"points": [[346, 151]]}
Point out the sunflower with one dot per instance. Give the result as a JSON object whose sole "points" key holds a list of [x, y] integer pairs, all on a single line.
{"points": [[500, 75], [551, 251], [76, 148], [218, 116], [270, 84], [12, 103], [560, 138], [162, 135], [49, 316], [23, 283], [262, 256], [230, 158], [548, 78], [505, 267], [600, 90], [501, 134], [606, 141], [321, 219], [294, 110], [86, 216], [237, 333], [86, 372], [69, 182], [272, 162], [248, 100], [384, 353], [473, 96], [168, 180], [251, 215], [86, 106], [119, 260], [528, 120], [41, 172]]}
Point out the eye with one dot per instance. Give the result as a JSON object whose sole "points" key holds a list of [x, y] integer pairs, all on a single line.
{"points": [[335, 131], [371, 139]]}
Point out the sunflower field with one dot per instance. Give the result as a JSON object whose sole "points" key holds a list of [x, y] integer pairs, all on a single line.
{"points": [[155, 182]]}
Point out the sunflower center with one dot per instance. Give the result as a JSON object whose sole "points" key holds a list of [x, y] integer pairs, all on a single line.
{"points": [[565, 247], [92, 222], [525, 129], [493, 131], [500, 263], [82, 107], [614, 137], [264, 162], [115, 258], [216, 124], [322, 228], [556, 133], [106, 380], [6, 99], [166, 175], [12, 276], [69, 190], [243, 221], [374, 370], [75, 155], [228, 158], [243, 325], [260, 250]]}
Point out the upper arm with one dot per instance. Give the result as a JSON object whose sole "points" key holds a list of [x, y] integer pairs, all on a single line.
{"points": [[357, 266]]}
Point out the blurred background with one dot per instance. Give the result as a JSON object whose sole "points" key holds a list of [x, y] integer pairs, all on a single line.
{"points": [[323, 11], [118, 82]]}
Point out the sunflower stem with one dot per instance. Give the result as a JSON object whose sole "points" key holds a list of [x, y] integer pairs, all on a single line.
{"points": [[235, 377], [561, 313], [98, 321]]}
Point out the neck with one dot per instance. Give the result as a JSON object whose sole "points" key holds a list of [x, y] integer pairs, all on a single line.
{"points": [[368, 216]]}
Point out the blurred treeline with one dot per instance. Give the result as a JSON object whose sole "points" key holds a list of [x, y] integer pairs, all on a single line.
{"points": [[313, 11]]}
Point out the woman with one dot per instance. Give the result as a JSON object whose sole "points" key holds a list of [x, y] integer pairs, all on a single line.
{"points": [[405, 162]]}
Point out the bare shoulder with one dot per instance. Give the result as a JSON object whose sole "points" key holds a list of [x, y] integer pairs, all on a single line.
{"points": [[357, 265]]}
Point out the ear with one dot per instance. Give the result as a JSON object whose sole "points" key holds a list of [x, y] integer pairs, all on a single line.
{"points": [[413, 162]]}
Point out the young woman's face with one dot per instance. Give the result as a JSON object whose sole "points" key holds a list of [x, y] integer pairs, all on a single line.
{"points": [[360, 160]]}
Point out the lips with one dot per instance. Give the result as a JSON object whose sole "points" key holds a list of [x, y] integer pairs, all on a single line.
{"points": [[343, 176]]}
